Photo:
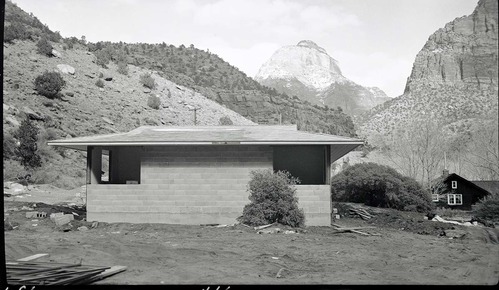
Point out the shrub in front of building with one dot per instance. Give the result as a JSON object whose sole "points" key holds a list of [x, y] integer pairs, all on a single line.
{"points": [[272, 199], [380, 186]]}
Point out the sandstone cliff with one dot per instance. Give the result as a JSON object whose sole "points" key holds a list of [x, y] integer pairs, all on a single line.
{"points": [[454, 77]]}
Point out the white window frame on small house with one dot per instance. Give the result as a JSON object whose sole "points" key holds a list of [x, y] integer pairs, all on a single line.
{"points": [[454, 199], [435, 197], [454, 184]]}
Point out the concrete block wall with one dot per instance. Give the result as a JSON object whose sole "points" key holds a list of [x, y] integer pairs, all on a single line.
{"points": [[315, 200], [182, 185]]}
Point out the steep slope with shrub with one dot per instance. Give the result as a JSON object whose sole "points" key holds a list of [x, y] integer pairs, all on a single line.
{"points": [[210, 75], [68, 94]]}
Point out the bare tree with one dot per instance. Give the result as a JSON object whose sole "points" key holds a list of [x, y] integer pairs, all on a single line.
{"points": [[483, 150]]}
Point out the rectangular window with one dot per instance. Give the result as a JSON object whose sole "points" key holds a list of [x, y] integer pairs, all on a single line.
{"points": [[434, 197], [455, 199], [454, 184]]}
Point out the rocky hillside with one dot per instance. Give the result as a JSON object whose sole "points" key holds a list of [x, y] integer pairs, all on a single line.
{"points": [[306, 70], [104, 92], [454, 77], [95, 100], [210, 75]]}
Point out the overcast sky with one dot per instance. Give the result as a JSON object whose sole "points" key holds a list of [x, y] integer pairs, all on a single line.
{"points": [[375, 41]]}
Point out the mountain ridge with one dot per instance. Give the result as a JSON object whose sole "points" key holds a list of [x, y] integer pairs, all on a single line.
{"points": [[307, 71]]}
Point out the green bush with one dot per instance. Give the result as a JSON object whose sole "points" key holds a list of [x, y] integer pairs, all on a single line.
{"points": [[9, 146], [103, 57], [15, 31], [273, 199], [225, 120], [488, 208], [99, 83], [49, 84], [154, 102], [12, 169], [147, 81], [122, 68], [380, 186], [43, 47], [27, 134]]}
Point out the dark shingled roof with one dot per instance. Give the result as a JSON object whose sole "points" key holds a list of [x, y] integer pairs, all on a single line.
{"points": [[490, 186]]}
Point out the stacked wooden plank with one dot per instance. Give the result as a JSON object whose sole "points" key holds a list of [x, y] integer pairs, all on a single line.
{"points": [[50, 273], [361, 212]]}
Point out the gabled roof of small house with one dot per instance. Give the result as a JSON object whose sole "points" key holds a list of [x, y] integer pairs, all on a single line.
{"points": [[209, 135], [491, 186], [442, 181]]}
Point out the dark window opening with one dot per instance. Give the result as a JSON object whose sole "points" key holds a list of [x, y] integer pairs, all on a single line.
{"points": [[308, 162]]}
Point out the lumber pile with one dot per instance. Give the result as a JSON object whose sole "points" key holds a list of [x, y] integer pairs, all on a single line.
{"points": [[340, 229], [361, 212], [50, 273]]}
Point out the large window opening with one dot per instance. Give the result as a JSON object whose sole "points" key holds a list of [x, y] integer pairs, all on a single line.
{"points": [[114, 165], [309, 162]]}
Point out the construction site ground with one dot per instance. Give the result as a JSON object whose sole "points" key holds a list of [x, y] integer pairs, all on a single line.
{"points": [[408, 249]]}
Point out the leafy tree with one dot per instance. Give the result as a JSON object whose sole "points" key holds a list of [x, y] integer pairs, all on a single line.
{"points": [[43, 47], [49, 84], [381, 186], [273, 199], [27, 134]]}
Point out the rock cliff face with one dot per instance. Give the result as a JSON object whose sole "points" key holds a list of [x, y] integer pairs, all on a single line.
{"points": [[463, 52], [306, 70], [454, 77]]}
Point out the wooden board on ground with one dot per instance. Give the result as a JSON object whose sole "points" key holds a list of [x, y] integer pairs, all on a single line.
{"points": [[32, 257]]}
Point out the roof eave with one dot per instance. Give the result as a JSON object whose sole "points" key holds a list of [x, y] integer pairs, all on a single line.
{"points": [[84, 145]]}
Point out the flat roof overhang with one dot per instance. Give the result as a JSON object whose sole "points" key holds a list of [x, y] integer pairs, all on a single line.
{"points": [[83, 145]]}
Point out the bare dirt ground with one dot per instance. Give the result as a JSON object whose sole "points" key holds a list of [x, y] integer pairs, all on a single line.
{"points": [[409, 250]]}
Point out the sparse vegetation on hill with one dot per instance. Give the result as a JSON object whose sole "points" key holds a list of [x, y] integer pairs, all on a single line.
{"points": [[210, 75], [27, 151], [43, 47], [49, 84]]}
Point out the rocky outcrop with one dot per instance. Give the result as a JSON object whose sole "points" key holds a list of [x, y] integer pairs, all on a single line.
{"points": [[66, 69], [306, 70], [454, 77], [463, 52]]}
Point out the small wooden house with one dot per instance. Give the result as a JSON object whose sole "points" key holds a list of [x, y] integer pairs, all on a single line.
{"points": [[199, 174], [454, 191]]}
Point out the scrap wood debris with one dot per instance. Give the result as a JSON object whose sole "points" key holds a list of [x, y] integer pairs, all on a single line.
{"points": [[340, 229], [50, 273], [361, 212]]}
